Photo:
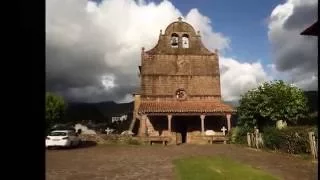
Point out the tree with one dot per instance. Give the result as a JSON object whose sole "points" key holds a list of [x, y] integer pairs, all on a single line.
{"points": [[55, 109], [270, 102]]}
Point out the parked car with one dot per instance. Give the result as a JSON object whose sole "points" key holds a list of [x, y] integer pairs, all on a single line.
{"points": [[62, 138]]}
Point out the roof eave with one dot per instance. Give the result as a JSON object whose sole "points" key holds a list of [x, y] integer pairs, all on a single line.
{"points": [[312, 30]]}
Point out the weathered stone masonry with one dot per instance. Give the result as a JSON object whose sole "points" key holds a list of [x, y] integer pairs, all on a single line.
{"points": [[180, 93]]}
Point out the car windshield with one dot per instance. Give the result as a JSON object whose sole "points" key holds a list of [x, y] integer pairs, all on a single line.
{"points": [[58, 134]]}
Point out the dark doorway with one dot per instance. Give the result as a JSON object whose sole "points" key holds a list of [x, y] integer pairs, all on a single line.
{"points": [[185, 124]]}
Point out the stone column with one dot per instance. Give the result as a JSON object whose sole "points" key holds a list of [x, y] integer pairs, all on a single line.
{"points": [[229, 121], [169, 122], [142, 129], [202, 123]]}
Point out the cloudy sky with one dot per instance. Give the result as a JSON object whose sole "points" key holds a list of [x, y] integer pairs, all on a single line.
{"points": [[93, 47]]}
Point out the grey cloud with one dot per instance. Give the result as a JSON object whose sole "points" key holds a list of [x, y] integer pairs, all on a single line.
{"points": [[302, 54], [76, 48], [68, 71], [75, 72], [70, 68], [294, 54], [301, 16], [83, 46], [97, 94]]}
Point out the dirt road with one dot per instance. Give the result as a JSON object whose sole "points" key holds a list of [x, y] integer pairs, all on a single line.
{"points": [[155, 162]]}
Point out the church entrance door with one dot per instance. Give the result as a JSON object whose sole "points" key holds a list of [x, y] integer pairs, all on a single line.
{"points": [[180, 126]]}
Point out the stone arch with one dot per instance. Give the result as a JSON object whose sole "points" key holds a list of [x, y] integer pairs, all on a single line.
{"points": [[185, 41], [174, 41]]}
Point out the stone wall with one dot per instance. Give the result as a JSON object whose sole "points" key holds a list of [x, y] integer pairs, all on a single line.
{"points": [[164, 74], [166, 68], [84, 129], [92, 137], [109, 139]]}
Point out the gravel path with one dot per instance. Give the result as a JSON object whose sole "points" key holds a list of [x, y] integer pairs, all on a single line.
{"points": [[155, 162]]}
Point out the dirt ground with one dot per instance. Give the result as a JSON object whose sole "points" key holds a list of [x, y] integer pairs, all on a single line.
{"points": [[111, 162]]}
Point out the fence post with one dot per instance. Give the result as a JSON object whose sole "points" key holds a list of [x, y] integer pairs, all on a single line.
{"points": [[253, 141], [257, 140], [261, 139], [256, 135], [315, 146], [249, 139], [312, 144]]}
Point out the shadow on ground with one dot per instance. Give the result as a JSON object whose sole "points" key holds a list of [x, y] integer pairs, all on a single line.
{"points": [[91, 161], [84, 144], [87, 144]]}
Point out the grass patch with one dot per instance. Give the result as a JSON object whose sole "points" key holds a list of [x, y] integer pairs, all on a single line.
{"points": [[204, 168]]}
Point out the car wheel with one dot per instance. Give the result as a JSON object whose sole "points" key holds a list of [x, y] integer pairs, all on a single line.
{"points": [[79, 143], [71, 144]]}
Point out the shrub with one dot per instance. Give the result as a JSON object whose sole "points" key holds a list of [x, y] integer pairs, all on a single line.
{"points": [[239, 134], [293, 140], [311, 120], [270, 102], [133, 142], [119, 139], [272, 138], [233, 134], [242, 135]]}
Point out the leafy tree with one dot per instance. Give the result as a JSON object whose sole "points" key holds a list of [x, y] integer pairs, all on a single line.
{"points": [[55, 109], [270, 102]]}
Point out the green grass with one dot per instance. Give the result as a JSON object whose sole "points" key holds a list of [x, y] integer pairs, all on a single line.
{"points": [[215, 168]]}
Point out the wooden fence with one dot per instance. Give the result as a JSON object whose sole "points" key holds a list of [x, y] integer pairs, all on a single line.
{"points": [[255, 140]]}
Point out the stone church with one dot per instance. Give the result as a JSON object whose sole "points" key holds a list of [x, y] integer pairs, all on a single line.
{"points": [[180, 93]]}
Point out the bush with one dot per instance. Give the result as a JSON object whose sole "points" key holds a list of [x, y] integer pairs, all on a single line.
{"points": [[233, 134], [272, 138], [133, 142], [239, 134], [311, 120], [118, 139], [293, 140]]}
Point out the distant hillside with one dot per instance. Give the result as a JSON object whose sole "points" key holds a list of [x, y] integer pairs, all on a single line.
{"points": [[104, 111], [312, 97], [97, 112], [110, 109], [84, 111], [234, 104]]}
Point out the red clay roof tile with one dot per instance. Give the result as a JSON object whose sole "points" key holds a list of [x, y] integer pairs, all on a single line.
{"points": [[184, 106]]}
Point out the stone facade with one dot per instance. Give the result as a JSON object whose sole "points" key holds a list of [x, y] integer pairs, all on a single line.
{"points": [[165, 69], [180, 79]]}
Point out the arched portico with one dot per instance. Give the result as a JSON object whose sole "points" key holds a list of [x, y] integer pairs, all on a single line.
{"points": [[185, 120]]}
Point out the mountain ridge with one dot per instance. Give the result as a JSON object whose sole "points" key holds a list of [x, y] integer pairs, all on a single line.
{"points": [[105, 110]]}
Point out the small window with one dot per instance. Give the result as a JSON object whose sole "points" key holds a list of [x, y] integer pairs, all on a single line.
{"points": [[174, 40], [181, 94]]}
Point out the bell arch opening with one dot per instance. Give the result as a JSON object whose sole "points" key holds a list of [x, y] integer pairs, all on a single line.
{"points": [[174, 40], [185, 41]]}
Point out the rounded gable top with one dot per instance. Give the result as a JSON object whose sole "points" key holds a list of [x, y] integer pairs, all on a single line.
{"points": [[173, 41], [180, 26]]}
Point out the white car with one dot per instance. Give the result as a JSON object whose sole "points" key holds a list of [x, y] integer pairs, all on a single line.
{"points": [[62, 138]]}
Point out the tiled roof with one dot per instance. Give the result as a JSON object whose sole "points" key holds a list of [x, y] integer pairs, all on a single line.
{"points": [[184, 107]]}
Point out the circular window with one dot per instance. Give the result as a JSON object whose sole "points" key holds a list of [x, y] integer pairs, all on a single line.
{"points": [[181, 94]]}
